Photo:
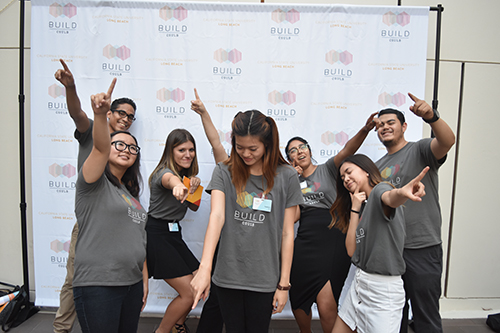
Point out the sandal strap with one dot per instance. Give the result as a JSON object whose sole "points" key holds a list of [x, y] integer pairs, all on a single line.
{"points": [[181, 328]]}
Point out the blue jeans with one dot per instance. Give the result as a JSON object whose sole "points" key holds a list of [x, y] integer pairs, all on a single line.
{"points": [[109, 309]]}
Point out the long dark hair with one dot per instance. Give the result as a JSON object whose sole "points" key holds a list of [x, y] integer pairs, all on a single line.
{"points": [[255, 123], [341, 208], [132, 178], [176, 137]]}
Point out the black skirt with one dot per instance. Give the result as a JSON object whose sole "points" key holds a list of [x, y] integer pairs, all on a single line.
{"points": [[319, 256], [168, 256]]}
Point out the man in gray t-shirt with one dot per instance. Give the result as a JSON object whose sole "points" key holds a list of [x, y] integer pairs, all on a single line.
{"points": [[423, 253], [120, 118]]}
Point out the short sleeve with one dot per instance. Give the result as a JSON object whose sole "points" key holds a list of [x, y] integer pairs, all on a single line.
{"points": [[217, 181], [332, 168], [425, 150], [294, 194]]}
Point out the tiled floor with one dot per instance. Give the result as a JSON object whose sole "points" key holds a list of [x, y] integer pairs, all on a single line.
{"points": [[42, 323]]}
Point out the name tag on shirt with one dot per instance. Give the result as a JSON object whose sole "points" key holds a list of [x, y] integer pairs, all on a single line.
{"points": [[173, 226], [262, 204], [303, 185]]}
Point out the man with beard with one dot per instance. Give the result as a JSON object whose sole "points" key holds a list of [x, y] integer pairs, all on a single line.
{"points": [[423, 252]]}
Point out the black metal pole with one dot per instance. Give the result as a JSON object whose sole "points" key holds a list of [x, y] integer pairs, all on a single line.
{"points": [[439, 10], [22, 160], [435, 101], [29, 308]]}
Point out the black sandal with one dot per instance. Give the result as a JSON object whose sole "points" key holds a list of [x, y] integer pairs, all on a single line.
{"points": [[181, 328]]}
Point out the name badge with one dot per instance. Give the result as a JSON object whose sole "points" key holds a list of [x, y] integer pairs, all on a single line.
{"points": [[303, 185], [173, 226], [262, 204]]}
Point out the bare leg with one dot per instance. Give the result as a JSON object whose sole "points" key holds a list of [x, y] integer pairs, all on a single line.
{"points": [[303, 320], [179, 308], [327, 307], [341, 327]]}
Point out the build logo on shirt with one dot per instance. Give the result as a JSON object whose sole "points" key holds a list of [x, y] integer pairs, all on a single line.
{"points": [[132, 202], [390, 171], [311, 197], [249, 219], [136, 216], [313, 188], [245, 199]]}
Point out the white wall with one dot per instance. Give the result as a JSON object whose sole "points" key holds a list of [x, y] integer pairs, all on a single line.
{"points": [[469, 40]]}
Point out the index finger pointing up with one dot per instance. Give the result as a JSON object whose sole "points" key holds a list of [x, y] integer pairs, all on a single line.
{"points": [[413, 97], [196, 94], [421, 175], [112, 87], [63, 63]]}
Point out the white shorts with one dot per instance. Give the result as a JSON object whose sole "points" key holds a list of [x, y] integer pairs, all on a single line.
{"points": [[374, 303]]}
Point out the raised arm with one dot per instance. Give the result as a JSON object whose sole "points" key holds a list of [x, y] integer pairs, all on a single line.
{"points": [[414, 191], [93, 167], [444, 136], [79, 116], [356, 141], [197, 106], [200, 285]]}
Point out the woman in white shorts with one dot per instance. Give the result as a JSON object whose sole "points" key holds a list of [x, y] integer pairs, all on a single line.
{"points": [[368, 210]]}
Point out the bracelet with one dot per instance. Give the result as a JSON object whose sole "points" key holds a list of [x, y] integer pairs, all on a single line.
{"points": [[354, 211], [279, 287]]}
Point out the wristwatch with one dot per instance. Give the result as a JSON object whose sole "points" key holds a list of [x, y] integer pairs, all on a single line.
{"points": [[434, 118], [279, 287]]}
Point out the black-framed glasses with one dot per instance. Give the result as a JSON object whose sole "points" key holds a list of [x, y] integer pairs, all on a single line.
{"points": [[295, 150], [121, 146], [124, 114]]}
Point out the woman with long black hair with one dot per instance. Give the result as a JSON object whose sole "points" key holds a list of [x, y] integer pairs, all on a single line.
{"points": [[368, 211], [320, 261], [110, 282]]}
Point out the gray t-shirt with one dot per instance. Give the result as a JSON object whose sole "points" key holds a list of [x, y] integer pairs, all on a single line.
{"points": [[111, 245], [162, 203], [380, 239], [319, 189], [423, 219], [250, 244], [86, 142]]}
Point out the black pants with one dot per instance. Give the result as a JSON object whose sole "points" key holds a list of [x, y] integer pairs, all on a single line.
{"points": [[422, 282], [245, 311], [211, 319]]}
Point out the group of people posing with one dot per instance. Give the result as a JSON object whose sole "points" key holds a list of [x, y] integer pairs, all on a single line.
{"points": [[380, 221]]}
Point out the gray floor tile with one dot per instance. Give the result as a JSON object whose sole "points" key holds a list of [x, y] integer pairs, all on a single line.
{"points": [[42, 323]]}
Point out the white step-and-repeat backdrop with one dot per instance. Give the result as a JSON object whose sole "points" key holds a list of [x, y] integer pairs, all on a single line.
{"points": [[318, 70]]}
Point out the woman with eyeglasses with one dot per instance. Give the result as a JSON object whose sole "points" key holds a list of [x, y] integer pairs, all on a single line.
{"points": [[320, 261], [368, 211], [168, 256], [254, 198], [110, 282]]}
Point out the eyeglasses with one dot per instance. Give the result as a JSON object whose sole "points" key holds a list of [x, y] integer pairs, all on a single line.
{"points": [[124, 114], [121, 146], [294, 150]]}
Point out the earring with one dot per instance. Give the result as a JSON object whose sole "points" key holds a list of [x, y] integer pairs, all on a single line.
{"points": [[367, 174]]}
